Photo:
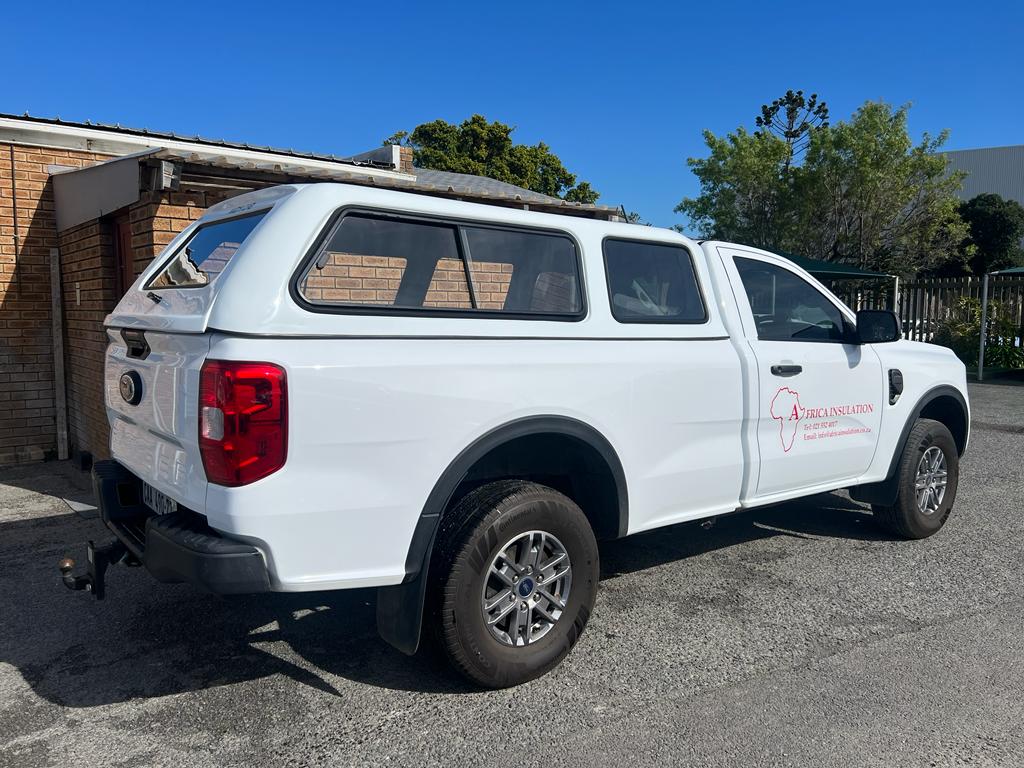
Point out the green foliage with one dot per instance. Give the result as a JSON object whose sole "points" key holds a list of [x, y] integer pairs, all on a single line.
{"points": [[1003, 356], [745, 194], [874, 198], [483, 148], [996, 228], [582, 193], [961, 332], [863, 192]]}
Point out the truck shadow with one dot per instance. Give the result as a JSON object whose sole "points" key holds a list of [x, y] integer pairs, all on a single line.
{"points": [[150, 640]]}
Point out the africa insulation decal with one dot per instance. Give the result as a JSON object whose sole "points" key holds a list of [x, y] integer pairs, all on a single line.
{"points": [[786, 410], [814, 422]]}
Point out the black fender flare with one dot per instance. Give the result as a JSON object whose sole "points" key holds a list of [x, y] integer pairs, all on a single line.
{"points": [[884, 492], [400, 607]]}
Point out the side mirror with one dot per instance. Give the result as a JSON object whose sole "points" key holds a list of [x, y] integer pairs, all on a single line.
{"points": [[877, 326]]}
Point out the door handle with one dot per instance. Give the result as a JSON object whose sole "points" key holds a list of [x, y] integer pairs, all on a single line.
{"points": [[786, 370]]}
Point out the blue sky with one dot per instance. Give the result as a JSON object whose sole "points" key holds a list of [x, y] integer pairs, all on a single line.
{"points": [[621, 92]]}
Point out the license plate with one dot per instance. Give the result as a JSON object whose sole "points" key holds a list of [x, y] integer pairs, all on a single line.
{"points": [[157, 501]]}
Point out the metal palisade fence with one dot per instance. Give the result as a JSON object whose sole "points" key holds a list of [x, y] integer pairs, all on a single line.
{"points": [[926, 303]]}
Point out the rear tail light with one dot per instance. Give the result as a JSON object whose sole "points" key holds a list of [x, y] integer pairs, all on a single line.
{"points": [[243, 420]]}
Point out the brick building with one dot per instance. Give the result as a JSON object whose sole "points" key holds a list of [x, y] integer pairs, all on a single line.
{"points": [[84, 208]]}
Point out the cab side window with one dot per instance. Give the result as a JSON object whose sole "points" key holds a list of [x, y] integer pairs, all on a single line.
{"points": [[652, 283], [788, 308]]}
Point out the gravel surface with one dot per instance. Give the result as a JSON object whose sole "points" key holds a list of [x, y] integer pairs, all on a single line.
{"points": [[797, 635]]}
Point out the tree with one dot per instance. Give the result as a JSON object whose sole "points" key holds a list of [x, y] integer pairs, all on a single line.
{"points": [[749, 182], [996, 227], [745, 194], [793, 119], [857, 192], [482, 148], [869, 196]]}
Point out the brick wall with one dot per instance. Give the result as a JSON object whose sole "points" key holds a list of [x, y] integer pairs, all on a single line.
{"points": [[362, 279], [159, 216], [490, 281], [27, 412], [88, 273], [448, 286], [405, 159]]}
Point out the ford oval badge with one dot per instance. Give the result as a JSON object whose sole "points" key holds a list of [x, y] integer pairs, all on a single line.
{"points": [[131, 387]]}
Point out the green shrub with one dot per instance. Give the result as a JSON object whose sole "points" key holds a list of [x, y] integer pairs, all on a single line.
{"points": [[961, 332]]}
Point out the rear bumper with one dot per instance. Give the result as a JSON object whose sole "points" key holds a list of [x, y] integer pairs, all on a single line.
{"points": [[178, 547]]}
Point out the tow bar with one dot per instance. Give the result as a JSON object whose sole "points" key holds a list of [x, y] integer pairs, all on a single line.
{"points": [[100, 558]]}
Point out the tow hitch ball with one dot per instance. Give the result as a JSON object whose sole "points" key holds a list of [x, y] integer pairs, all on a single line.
{"points": [[100, 558]]}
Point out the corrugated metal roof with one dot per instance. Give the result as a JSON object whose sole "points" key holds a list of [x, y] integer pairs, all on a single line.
{"points": [[998, 170], [480, 185], [478, 188], [169, 136]]}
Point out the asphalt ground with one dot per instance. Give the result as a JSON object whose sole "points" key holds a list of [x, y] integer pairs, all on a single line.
{"points": [[797, 635]]}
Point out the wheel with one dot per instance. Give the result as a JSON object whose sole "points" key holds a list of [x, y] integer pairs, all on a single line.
{"points": [[928, 472], [514, 579]]}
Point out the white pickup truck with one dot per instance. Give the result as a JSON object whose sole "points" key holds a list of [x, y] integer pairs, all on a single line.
{"points": [[332, 386]]}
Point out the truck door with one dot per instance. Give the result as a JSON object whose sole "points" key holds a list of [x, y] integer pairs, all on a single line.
{"points": [[819, 396]]}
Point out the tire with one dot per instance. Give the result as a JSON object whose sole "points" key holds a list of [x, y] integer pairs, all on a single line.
{"points": [[472, 534], [906, 518]]}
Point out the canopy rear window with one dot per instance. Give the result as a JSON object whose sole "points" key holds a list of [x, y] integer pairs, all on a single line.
{"points": [[201, 258]]}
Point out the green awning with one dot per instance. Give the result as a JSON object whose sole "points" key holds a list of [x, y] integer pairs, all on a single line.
{"points": [[1010, 271], [831, 270]]}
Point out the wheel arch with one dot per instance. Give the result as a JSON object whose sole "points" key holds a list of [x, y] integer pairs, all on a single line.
{"points": [[945, 404], [400, 608]]}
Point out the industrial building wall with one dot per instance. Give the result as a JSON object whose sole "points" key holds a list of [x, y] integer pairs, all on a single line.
{"points": [[999, 170]]}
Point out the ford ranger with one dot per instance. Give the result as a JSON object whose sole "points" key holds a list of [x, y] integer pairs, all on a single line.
{"points": [[331, 386]]}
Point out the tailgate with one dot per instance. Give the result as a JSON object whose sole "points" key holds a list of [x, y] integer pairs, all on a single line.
{"points": [[152, 399]]}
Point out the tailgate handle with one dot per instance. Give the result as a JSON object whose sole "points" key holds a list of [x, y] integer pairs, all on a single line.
{"points": [[135, 340]]}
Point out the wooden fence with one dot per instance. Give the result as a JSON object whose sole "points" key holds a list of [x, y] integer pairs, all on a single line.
{"points": [[923, 304]]}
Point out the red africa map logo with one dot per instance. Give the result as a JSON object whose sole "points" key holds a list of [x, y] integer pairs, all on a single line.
{"points": [[786, 410]]}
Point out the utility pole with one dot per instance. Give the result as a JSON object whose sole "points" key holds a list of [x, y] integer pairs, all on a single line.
{"points": [[984, 327]]}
